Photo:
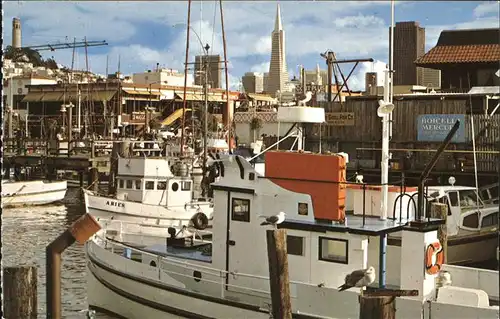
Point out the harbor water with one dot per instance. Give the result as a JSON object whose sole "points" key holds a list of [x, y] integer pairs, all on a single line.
{"points": [[27, 231]]}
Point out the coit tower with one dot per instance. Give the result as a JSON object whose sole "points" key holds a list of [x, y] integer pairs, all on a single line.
{"points": [[16, 33]]}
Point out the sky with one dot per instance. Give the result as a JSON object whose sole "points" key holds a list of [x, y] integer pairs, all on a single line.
{"points": [[143, 33]]}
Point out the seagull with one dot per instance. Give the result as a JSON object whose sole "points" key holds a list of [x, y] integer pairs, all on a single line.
{"points": [[359, 278], [274, 220]]}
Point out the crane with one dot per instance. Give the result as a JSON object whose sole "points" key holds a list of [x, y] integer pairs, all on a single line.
{"points": [[67, 45]]}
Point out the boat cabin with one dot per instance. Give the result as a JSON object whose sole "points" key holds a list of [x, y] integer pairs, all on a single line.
{"points": [[150, 180], [324, 244]]}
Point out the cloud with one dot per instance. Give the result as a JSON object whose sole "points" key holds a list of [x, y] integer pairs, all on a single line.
{"points": [[146, 33], [357, 80], [487, 8], [260, 68]]}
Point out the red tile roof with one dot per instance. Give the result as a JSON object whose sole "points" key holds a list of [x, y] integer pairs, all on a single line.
{"points": [[472, 53]]}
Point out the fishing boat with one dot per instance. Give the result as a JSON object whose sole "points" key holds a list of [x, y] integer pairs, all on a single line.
{"points": [[27, 193], [472, 225], [151, 190], [228, 276]]}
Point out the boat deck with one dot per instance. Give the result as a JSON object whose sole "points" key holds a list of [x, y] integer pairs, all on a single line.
{"points": [[199, 251], [355, 224]]}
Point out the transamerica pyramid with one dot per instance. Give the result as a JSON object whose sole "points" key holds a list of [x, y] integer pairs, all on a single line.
{"points": [[278, 73]]}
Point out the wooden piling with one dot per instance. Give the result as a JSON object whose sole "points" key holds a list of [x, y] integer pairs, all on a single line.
{"points": [[278, 274], [93, 179], [113, 168], [383, 307], [20, 292], [377, 303], [439, 210], [80, 176]]}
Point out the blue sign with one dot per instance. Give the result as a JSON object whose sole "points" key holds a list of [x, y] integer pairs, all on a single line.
{"points": [[435, 127]]}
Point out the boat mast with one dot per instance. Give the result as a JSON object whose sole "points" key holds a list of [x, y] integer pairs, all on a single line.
{"points": [[185, 77], [228, 123]]}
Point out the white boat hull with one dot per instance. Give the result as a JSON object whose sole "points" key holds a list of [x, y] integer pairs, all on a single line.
{"points": [[133, 289], [102, 207], [29, 193], [132, 299]]}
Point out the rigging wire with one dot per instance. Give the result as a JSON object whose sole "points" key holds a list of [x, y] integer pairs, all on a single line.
{"points": [[213, 26]]}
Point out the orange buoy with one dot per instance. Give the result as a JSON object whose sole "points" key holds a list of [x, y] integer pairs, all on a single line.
{"points": [[432, 267]]}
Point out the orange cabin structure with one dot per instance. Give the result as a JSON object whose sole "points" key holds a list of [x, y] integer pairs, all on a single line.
{"points": [[319, 175]]}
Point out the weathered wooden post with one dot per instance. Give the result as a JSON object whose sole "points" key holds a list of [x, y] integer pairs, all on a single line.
{"points": [[439, 210], [93, 179], [278, 274], [380, 303], [20, 292], [81, 230], [113, 167]]}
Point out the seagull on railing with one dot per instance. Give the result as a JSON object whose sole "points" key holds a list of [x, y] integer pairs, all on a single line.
{"points": [[274, 220], [359, 278]]}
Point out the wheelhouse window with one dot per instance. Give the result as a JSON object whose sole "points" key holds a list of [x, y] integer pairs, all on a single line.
{"points": [[120, 183], [150, 185], [471, 221], [490, 220], [333, 250], [240, 210], [138, 184], [453, 198], [129, 183], [469, 198], [161, 186], [295, 245], [186, 185]]}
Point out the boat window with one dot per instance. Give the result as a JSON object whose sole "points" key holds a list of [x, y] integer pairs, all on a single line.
{"points": [[175, 187], [490, 220], [120, 182], [453, 198], [333, 250], [468, 198], [138, 184], [129, 183], [484, 194], [303, 209], [186, 186], [161, 186], [240, 210], [471, 221], [150, 185], [295, 245], [494, 192]]}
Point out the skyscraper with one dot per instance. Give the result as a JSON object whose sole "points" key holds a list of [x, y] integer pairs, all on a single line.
{"points": [[253, 82], [278, 73], [214, 70], [409, 44]]}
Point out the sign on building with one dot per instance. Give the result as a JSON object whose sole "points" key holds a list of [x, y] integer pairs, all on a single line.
{"points": [[435, 127], [340, 118]]}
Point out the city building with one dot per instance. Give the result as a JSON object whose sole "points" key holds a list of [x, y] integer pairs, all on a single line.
{"points": [[409, 45], [371, 83], [278, 72], [466, 58], [162, 76], [214, 70], [253, 82]]}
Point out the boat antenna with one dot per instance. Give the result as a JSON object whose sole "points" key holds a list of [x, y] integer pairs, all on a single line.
{"points": [[185, 78], [473, 143], [229, 111]]}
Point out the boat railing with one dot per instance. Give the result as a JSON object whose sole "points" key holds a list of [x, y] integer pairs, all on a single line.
{"points": [[210, 271], [366, 187]]}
